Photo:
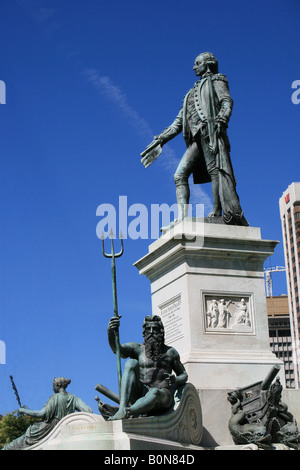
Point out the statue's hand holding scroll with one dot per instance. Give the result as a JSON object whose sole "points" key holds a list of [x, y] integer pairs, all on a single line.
{"points": [[150, 154]]}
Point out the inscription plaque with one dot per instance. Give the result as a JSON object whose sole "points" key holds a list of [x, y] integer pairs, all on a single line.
{"points": [[171, 314]]}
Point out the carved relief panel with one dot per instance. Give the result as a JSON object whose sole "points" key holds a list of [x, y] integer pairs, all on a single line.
{"points": [[228, 313]]}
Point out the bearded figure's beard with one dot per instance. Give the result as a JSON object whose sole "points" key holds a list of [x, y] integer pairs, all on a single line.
{"points": [[153, 346]]}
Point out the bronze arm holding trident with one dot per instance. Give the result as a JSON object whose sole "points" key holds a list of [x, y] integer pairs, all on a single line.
{"points": [[114, 255]]}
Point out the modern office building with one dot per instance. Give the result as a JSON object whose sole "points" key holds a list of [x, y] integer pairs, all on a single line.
{"points": [[289, 205], [280, 335]]}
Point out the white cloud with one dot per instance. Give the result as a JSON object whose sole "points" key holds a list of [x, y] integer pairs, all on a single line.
{"points": [[199, 196], [103, 83], [168, 160], [45, 17], [114, 93]]}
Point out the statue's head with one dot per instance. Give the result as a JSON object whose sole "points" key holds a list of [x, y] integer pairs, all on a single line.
{"points": [[205, 62], [154, 335], [153, 325], [60, 383]]}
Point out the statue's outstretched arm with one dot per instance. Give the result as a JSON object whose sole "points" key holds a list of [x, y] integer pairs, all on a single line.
{"points": [[153, 150], [35, 414]]}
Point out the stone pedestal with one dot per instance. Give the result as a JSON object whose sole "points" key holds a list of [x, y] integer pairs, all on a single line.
{"points": [[207, 284], [178, 429], [83, 431]]}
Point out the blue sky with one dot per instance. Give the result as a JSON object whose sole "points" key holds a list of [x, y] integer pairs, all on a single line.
{"points": [[88, 85]]}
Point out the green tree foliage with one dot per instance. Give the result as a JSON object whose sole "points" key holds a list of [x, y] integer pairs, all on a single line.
{"points": [[13, 425]]}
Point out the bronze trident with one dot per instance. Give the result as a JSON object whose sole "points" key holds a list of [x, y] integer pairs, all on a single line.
{"points": [[114, 255], [15, 390]]}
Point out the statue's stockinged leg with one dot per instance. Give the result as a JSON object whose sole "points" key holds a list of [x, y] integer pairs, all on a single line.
{"points": [[183, 197]]}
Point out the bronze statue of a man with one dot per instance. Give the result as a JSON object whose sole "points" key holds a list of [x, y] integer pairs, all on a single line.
{"points": [[148, 381], [203, 119]]}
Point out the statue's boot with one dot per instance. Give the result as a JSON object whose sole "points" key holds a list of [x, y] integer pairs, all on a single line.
{"points": [[183, 197]]}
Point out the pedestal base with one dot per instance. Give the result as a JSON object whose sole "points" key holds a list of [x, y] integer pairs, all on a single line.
{"points": [[179, 428], [207, 284], [99, 434]]}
